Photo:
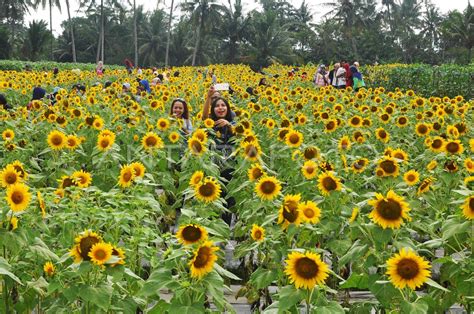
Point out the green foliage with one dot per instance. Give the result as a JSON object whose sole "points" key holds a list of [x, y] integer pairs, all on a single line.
{"points": [[15, 65]]}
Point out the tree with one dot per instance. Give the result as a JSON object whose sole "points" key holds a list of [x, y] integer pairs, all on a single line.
{"points": [[269, 42], [51, 4], [153, 37], [203, 15], [36, 39], [231, 31], [168, 33], [460, 27], [71, 31]]}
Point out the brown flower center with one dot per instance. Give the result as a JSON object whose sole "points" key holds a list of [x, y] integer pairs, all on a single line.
{"points": [[329, 184], [192, 233], [202, 257], [407, 268], [389, 209], [268, 187], [306, 268], [207, 189]]}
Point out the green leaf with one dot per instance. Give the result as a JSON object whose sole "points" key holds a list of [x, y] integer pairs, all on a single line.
{"points": [[452, 227], [331, 308], [225, 272], [100, 296], [385, 293], [419, 307], [5, 270], [434, 284], [159, 279], [358, 281], [263, 277], [356, 251], [290, 296]]}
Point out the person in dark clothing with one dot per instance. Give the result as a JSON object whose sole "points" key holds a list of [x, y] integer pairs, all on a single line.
{"points": [[4, 103]]}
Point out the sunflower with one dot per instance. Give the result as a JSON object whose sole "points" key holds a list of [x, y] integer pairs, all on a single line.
{"points": [[327, 183], [310, 212], [18, 196], [8, 135], [359, 165], [309, 169], [432, 164], [355, 121], [82, 178], [48, 269], [267, 188], [151, 141], [411, 177], [389, 166], [451, 166], [163, 124], [209, 123], [138, 169], [330, 126], [344, 143], [407, 269], [453, 147], [251, 151], [389, 211], [311, 153], [208, 190], [355, 213], [98, 123], [173, 137], [100, 253], [289, 212], [83, 245], [41, 203], [201, 135], [471, 144], [468, 207], [57, 140], [20, 169], [306, 270], [422, 129], [257, 233], [196, 178], [400, 154], [105, 142], [203, 260], [127, 174], [66, 181], [72, 141], [437, 144], [469, 165], [294, 138], [255, 172], [9, 175], [196, 147], [382, 135], [191, 233], [402, 121], [120, 254], [424, 186]]}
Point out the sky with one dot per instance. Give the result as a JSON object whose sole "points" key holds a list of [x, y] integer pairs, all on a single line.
{"points": [[316, 6]]}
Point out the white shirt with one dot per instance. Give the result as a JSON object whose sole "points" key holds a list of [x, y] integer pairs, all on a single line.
{"points": [[341, 80]]}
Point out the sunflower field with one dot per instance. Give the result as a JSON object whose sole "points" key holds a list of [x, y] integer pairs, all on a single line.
{"points": [[106, 207]]}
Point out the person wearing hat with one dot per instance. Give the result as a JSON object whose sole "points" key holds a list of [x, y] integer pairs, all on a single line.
{"points": [[4, 104]]}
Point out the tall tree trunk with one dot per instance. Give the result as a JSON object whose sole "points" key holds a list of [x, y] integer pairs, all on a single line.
{"points": [[198, 39], [51, 27], [97, 56], [71, 30], [102, 31], [135, 34], [168, 36]]}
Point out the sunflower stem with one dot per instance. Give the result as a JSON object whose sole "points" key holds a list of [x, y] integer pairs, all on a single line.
{"points": [[308, 300]]}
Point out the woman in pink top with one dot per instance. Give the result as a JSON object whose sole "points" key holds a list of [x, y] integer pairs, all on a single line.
{"points": [[321, 78]]}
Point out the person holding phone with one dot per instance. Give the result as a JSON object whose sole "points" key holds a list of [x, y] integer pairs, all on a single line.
{"points": [[218, 109]]}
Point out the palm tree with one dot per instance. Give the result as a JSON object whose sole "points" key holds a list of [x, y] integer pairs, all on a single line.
{"points": [[71, 31], [270, 42], [430, 25], [37, 36], [204, 13], [168, 35], [460, 26], [51, 4], [153, 35], [232, 29]]}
